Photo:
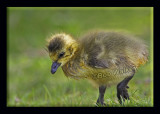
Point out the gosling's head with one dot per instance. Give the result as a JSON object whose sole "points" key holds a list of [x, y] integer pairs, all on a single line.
{"points": [[61, 48]]}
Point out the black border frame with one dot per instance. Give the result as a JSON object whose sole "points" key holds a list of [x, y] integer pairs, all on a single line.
{"points": [[74, 3]]}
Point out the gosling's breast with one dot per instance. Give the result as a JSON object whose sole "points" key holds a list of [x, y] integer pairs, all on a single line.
{"points": [[79, 70], [75, 69]]}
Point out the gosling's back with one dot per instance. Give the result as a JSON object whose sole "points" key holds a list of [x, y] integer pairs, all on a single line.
{"points": [[110, 49]]}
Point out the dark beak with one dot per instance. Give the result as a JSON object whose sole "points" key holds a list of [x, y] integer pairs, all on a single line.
{"points": [[54, 67]]}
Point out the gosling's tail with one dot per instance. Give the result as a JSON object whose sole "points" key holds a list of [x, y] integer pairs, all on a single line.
{"points": [[142, 56], [137, 53]]}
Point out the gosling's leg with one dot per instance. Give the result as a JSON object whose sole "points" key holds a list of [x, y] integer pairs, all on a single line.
{"points": [[100, 99], [122, 89]]}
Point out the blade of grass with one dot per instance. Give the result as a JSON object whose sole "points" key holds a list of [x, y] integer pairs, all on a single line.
{"points": [[48, 93]]}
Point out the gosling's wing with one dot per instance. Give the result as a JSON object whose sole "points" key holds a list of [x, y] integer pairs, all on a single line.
{"points": [[118, 61], [100, 59]]}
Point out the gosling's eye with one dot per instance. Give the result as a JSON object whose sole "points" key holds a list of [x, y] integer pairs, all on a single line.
{"points": [[61, 54]]}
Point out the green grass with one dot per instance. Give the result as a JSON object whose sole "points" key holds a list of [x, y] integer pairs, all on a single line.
{"points": [[29, 81]]}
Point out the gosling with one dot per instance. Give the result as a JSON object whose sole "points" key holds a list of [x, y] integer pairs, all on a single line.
{"points": [[103, 57]]}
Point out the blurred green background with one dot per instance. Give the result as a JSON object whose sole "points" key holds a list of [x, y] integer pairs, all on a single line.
{"points": [[29, 81]]}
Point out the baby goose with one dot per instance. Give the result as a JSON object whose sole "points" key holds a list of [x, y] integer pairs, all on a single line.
{"points": [[103, 57]]}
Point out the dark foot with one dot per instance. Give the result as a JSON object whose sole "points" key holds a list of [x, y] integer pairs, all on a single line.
{"points": [[100, 102], [122, 93]]}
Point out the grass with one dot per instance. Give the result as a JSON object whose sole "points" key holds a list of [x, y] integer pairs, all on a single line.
{"points": [[29, 81]]}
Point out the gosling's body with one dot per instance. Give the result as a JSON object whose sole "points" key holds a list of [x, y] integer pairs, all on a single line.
{"points": [[105, 58]]}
